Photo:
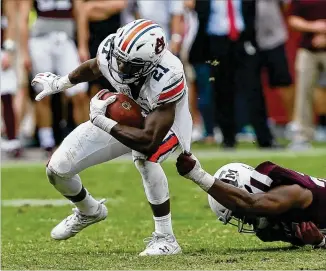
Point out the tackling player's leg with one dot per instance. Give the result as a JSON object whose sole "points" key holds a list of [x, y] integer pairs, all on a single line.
{"points": [[86, 146]]}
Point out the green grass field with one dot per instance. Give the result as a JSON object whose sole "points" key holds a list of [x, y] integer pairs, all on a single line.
{"points": [[116, 242]]}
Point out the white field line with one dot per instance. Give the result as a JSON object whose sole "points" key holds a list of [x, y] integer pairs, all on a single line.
{"points": [[204, 155], [46, 202]]}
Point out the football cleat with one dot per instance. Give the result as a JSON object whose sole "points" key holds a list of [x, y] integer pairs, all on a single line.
{"points": [[77, 221], [161, 244]]}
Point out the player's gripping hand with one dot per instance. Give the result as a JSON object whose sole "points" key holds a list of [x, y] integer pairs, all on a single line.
{"points": [[309, 233], [51, 84], [187, 163], [98, 109], [189, 167]]}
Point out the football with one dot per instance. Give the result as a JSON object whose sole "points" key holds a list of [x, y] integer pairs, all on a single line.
{"points": [[124, 110]]}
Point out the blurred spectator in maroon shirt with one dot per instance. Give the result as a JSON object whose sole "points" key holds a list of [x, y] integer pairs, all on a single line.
{"points": [[308, 17]]}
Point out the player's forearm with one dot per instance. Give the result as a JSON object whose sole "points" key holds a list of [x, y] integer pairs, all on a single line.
{"points": [[177, 25], [82, 26], [88, 71], [24, 35], [24, 10], [234, 198], [10, 13], [134, 138], [101, 10], [302, 25], [229, 196], [24, 40], [262, 204]]}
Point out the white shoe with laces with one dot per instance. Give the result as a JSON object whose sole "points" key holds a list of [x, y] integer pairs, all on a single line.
{"points": [[161, 244], [77, 221]]}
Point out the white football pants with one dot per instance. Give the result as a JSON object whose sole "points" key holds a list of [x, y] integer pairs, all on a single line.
{"points": [[88, 145]]}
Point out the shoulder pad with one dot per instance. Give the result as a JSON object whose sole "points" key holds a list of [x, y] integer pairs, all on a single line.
{"points": [[172, 84], [102, 53], [173, 89]]}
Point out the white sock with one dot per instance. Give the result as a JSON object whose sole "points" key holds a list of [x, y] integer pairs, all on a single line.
{"points": [[88, 206], [73, 190], [46, 137], [163, 224]]}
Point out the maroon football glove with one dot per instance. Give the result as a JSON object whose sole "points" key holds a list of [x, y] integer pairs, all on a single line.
{"points": [[309, 233], [185, 163]]}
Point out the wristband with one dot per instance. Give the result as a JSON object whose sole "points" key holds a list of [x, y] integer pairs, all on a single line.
{"points": [[201, 177], [9, 45], [322, 244], [64, 83], [176, 37], [104, 123]]}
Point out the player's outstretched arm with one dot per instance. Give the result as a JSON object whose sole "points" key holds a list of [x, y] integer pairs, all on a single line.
{"points": [[276, 201], [88, 71], [52, 83]]}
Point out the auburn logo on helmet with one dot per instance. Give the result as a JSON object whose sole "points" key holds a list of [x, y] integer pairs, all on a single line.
{"points": [[160, 45]]}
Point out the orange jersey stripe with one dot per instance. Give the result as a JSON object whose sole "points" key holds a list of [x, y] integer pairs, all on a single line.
{"points": [[172, 92], [134, 33], [164, 148]]}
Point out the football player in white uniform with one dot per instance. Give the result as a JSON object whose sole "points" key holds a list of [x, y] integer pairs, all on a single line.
{"points": [[137, 63]]}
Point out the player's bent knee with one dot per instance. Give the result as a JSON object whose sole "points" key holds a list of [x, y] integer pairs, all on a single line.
{"points": [[52, 176], [60, 165]]}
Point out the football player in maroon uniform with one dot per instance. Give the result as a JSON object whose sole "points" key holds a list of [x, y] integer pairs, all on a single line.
{"points": [[279, 204]]}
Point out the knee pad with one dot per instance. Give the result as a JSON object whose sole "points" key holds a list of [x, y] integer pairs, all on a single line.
{"points": [[67, 186], [60, 164], [52, 176], [154, 181]]}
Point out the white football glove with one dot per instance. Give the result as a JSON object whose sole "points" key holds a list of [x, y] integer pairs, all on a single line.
{"points": [[51, 83], [98, 109]]}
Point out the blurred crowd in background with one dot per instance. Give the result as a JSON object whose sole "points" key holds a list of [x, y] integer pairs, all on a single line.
{"points": [[256, 70]]}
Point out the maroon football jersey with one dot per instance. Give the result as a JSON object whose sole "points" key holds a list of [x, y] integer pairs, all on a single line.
{"points": [[53, 8], [271, 175]]}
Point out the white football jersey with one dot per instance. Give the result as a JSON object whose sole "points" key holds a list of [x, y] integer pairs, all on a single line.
{"points": [[166, 84]]}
